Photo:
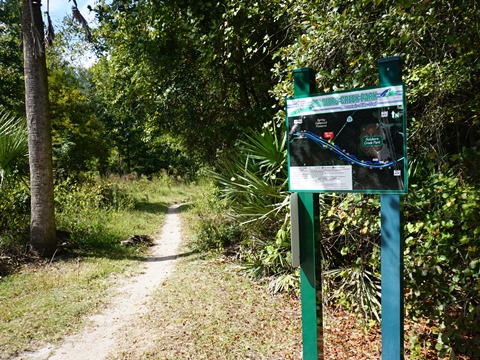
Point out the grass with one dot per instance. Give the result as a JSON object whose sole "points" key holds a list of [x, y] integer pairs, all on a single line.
{"points": [[158, 192], [42, 304], [208, 310], [44, 301]]}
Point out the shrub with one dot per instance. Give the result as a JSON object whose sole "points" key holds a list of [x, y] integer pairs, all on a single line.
{"points": [[213, 230], [442, 260], [85, 210], [350, 241]]}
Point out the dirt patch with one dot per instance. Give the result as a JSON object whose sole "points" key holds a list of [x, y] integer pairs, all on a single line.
{"points": [[105, 331]]}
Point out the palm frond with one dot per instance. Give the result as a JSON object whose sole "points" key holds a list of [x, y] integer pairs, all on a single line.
{"points": [[50, 32], [254, 180], [359, 286], [78, 17], [13, 147], [265, 148]]}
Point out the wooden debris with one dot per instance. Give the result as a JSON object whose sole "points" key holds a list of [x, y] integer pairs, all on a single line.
{"points": [[138, 240]]}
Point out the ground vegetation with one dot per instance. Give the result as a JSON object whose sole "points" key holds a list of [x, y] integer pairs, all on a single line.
{"points": [[186, 88]]}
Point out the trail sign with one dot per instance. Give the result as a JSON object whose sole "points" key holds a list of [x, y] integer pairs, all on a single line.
{"points": [[317, 152], [348, 141]]}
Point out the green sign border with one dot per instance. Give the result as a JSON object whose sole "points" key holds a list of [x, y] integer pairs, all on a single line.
{"points": [[338, 101]]}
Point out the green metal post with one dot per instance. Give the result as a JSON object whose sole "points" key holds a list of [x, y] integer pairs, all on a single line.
{"points": [[310, 267], [391, 266]]}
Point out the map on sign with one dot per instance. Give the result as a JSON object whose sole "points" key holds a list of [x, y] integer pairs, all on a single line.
{"points": [[351, 141]]}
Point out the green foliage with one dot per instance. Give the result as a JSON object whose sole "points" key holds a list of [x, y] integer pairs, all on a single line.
{"points": [[13, 148], [254, 180], [91, 193], [84, 209], [14, 194], [350, 228], [441, 256], [441, 238], [192, 69], [212, 230], [342, 41], [272, 259], [80, 141], [14, 219], [354, 288], [11, 59]]}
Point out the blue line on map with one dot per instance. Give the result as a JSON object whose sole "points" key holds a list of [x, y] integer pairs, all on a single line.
{"points": [[343, 154]]}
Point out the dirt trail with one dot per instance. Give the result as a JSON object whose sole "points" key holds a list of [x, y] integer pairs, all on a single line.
{"points": [[104, 330]]}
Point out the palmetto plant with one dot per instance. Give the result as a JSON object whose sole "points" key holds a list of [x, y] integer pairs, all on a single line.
{"points": [[13, 148], [254, 179], [355, 286]]}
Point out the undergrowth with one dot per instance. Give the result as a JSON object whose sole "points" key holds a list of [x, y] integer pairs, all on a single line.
{"points": [[44, 300]]}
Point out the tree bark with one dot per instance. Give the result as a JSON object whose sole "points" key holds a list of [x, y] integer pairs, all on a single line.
{"points": [[42, 232]]}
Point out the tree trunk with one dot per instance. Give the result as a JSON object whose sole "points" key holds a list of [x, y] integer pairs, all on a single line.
{"points": [[42, 232]]}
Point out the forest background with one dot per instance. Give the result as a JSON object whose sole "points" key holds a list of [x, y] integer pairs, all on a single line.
{"points": [[194, 89]]}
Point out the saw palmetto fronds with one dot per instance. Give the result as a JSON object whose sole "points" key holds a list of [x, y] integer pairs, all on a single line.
{"points": [[13, 147], [253, 180]]}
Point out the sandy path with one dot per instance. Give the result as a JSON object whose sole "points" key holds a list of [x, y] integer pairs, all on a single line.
{"points": [[104, 331]]}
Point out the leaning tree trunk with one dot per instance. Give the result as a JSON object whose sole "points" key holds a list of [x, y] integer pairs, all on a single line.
{"points": [[42, 232]]}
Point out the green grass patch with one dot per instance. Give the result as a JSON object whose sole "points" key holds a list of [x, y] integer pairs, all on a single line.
{"points": [[45, 300], [157, 192], [42, 304]]}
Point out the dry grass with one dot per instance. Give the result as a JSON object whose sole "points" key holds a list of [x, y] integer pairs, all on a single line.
{"points": [[207, 310], [43, 303]]}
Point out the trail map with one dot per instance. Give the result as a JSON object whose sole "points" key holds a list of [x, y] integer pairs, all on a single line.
{"points": [[352, 141]]}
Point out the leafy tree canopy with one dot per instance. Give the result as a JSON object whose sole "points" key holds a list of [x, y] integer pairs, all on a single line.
{"points": [[11, 60], [194, 69]]}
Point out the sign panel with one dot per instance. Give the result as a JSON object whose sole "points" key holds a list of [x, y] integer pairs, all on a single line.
{"points": [[349, 141]]}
